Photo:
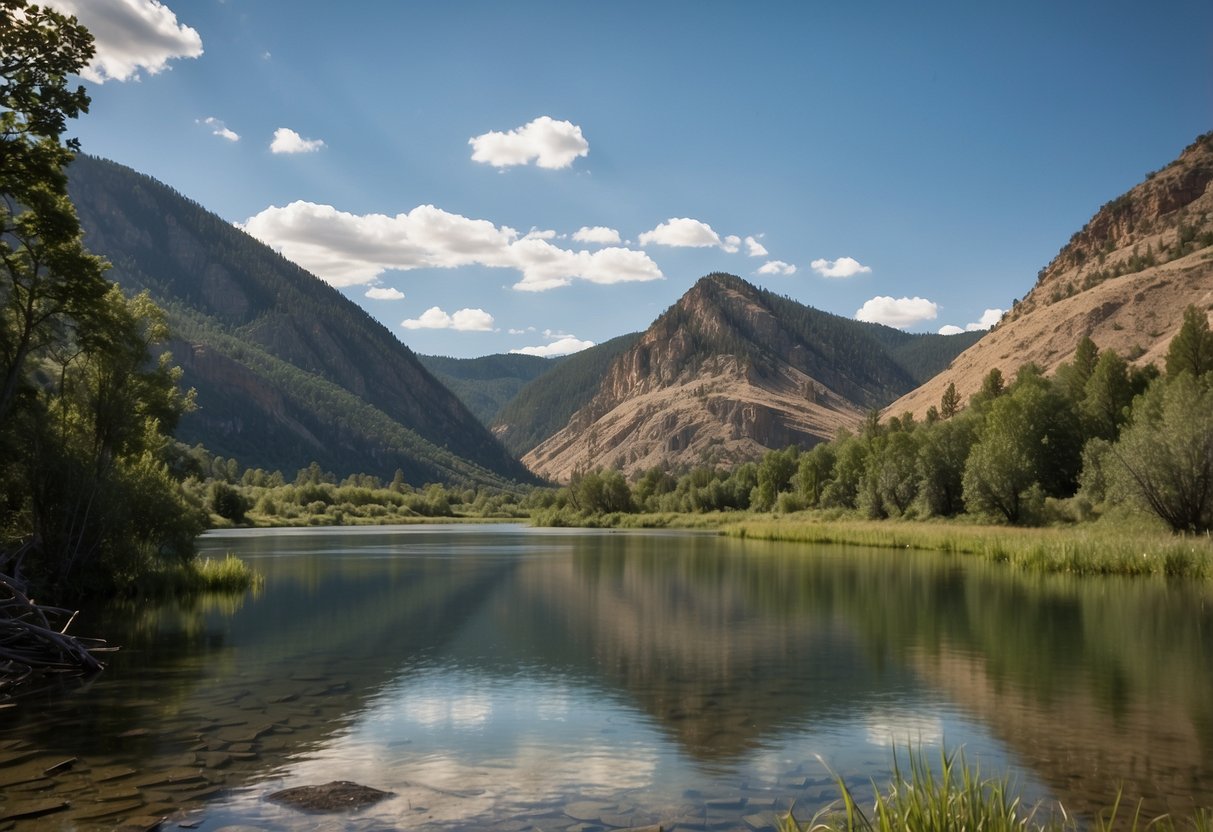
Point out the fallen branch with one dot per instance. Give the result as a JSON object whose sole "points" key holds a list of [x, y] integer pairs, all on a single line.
{"points": [[31, 640]]}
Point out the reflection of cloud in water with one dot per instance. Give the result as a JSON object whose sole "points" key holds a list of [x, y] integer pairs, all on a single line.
{"points": [[615, 768], [553, 704], [436, 709], [902, 729]]}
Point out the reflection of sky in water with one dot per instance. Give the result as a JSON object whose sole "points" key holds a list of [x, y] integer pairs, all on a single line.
{"points": [[905, 729], [456, 745]]}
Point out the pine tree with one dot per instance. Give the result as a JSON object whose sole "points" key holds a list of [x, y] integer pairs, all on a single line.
{"points": [[1191, 349], [949, 404]]}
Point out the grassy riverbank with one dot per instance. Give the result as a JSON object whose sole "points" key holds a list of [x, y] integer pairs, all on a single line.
{"points": [[1082, 550], [957, 797]]}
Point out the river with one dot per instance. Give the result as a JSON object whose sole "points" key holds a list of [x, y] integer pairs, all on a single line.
{"points": [[508, 678]]}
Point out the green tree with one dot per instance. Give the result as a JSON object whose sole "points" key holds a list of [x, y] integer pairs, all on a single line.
{"points": [[49, 284], [942, 453], [1165, 456], [600, 492], [1105, 402], [1191, 350], [894, 472], [949, 403], [851, 459], [103, 505], [228, 502], [1073, 375], [814, 472], [1029, 441], [775, 472], [88, 494]]}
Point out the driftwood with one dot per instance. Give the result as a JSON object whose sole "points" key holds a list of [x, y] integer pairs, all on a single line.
{"points": [[34, 638]]}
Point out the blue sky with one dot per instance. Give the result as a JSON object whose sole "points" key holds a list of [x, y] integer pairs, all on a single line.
{"points": [[920, 162]]}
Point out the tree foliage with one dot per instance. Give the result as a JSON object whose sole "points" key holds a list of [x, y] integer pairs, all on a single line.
{"points": [[1165, 457], [48, 282], [88, 497], [1191, 350]]}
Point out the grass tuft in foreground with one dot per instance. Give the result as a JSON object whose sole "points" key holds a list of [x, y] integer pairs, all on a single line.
{"points": [[1074, 551], [957, 798]]}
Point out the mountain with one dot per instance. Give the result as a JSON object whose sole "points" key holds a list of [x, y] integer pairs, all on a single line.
{"points": [[730, 371], [487, 383], [287, 370], [1124, 280], [544, 406]]}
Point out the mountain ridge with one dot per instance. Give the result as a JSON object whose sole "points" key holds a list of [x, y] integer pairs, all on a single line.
{"points": [[725, 374], [287, 369], [1123, 280]]}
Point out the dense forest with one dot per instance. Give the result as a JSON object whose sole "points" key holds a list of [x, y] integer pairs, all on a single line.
{"points": [[488, 383]]}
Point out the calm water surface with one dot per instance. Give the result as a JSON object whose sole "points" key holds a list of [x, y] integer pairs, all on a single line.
{"points": [[507, 678]]}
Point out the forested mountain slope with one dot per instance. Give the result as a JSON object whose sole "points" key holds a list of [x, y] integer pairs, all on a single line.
{"points": [[731, 371], [1124, 280], [287, 370], [544, 405], [487, 383]]}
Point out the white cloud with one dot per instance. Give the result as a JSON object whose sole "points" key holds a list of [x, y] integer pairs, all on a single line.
{"points": [[348, 249], [987, 320], [131, 35], [755, 248], [684, 232], [598, 234], [539, 234], [898, 312], [463, 320], [547, 142], [218, 128], [567, 345], [776, 267], [384, 293], [545, 266], [287, 140], [842, 267]]}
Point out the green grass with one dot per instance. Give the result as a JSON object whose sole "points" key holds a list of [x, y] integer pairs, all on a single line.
{"points": [[1093, 550], [207, 575], [958, 798], [567, 518], [230, 574]]}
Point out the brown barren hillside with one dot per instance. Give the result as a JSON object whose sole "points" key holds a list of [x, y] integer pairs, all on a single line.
{"points": [[729, 372], [666, 403], [1124, 280]]}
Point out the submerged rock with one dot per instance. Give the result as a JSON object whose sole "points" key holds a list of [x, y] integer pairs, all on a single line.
{"points": [[336, 796]]}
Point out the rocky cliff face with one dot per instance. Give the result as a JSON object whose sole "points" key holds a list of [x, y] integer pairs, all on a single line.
{"points": [[724, 375], [1124, 280]]}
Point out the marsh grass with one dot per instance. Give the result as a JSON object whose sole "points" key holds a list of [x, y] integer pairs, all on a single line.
{"points": [[1079, 551], [206, 575], [958, 798]]}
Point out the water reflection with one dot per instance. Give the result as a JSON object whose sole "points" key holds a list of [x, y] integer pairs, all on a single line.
{"points": [[488, 674]]}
